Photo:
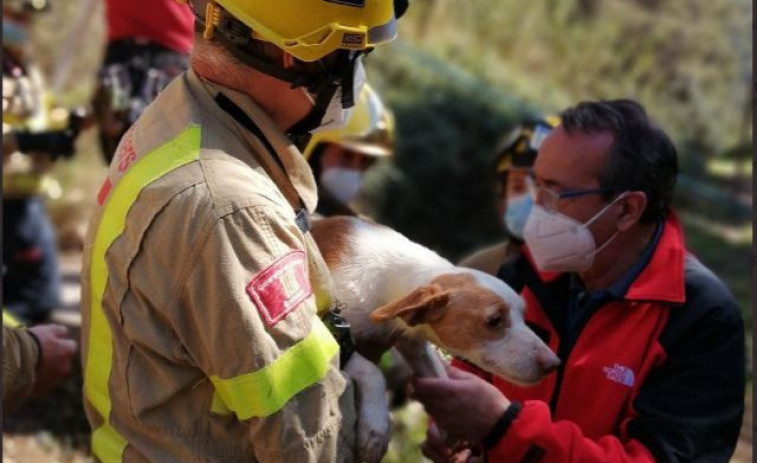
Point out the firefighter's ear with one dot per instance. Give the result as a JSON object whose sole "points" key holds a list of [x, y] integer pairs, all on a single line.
{"points": [[424, 305]]}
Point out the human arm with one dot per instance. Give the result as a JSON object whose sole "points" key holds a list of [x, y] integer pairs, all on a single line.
{"points": [[688, 410], [248, 321], [35, 360], [20, 354]]}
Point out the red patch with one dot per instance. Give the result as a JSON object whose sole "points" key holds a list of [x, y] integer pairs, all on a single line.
{"points": [[281, 287], [127, 155]]}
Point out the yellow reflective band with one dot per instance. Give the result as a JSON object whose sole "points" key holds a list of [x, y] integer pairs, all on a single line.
{"points": [[107, 444], [218, 407], [182, 150], [10, 320], [267, 390]]}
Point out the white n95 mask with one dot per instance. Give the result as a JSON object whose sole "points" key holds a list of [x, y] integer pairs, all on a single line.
{"points": [[559, 243], [336, 115], [342, 183]]}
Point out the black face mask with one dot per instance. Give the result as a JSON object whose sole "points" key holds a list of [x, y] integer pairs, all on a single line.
{"points": [[341, 77]]}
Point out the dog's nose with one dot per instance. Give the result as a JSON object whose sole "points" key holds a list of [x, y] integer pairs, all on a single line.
{"points": [[547, 360]]}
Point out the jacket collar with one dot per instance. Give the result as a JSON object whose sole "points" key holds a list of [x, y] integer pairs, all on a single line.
{"points": [[296, 169], [662, 279]]}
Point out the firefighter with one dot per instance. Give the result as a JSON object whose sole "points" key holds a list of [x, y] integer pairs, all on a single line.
{"points": [[208, 329]]}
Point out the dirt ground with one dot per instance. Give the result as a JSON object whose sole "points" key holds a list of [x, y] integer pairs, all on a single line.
{"points": [[54, 429]]}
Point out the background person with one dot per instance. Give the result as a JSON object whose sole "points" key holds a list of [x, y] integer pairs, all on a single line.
{"points": [[148, 45], [340, 157], [36, 133], [35, 360], [514, 165]]}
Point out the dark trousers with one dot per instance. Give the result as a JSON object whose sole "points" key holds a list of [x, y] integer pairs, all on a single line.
{"points": [[31, 281]]}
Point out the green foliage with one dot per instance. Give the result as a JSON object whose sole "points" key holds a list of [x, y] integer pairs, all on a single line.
{"points": [[687, 61], [409, 425], [440, 189]]}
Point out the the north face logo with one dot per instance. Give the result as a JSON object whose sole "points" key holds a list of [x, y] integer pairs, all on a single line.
{"points": [[620, 374]]}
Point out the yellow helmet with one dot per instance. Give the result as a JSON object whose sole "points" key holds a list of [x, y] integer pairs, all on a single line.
{"points": [[369, 130], [521, 144], [308, 29]]}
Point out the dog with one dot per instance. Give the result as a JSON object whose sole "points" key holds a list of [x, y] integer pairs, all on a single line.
{"points": [[398, 293]]}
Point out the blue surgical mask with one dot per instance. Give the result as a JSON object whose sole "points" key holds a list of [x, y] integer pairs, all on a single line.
{"points": [[518, 209], [15, 34], [343, 183]]}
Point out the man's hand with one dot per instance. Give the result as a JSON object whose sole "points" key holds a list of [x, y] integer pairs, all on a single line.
{"points": [[436, 450], [465, 406], [56, 353]]}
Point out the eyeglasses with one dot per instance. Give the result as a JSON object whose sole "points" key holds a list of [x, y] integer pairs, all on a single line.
{"points": [[548, 199]]}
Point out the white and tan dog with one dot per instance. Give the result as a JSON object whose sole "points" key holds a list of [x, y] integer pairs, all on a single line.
{"points": [[397, 292]]}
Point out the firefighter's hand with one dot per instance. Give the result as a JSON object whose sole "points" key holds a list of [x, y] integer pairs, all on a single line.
{"points": [[56, 352], [464, 405]]}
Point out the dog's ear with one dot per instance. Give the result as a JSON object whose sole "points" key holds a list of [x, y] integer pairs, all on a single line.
{"points": [[424, 305]]}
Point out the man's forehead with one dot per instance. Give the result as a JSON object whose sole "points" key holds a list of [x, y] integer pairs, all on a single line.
{"points": [[573, 154]]}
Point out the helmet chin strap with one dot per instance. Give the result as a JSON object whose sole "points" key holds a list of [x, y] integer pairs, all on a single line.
{"points": [[341, 76], [233, 35]]}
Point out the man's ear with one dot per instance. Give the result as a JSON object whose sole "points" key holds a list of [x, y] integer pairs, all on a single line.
{"points": [[634, 204], [424, 305]]}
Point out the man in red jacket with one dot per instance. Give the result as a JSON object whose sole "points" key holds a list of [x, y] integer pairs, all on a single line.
{"points": [[651, 342]]}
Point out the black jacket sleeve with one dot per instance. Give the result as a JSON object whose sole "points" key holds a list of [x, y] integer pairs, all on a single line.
{"points": [[691, 407]]}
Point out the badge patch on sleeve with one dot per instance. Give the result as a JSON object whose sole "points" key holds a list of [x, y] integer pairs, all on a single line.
{"points": [[281, 287]]}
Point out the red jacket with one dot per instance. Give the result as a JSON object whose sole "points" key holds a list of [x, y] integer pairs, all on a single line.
{"points": [[167, 22], [656, 375]]}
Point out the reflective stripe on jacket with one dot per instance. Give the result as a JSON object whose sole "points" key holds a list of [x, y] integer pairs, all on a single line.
{"points": [[200, 294]]}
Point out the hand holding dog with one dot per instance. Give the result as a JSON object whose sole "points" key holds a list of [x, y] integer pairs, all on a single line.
{"points": [[436, 450], [465, 406]]}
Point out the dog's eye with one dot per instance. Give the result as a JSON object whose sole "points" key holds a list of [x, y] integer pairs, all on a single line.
{"points": [[495, 321]]}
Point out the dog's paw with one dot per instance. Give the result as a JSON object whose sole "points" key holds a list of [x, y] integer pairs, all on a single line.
{"points": [[373, 420], [373, 438]]}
